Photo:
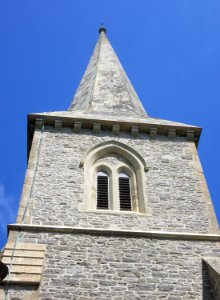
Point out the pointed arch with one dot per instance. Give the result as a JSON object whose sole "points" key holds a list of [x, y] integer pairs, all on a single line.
{"points": [[136, 163], [116, 147]]}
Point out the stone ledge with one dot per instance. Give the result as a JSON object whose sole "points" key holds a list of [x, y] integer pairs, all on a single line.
{"points": [[25, 261], [26, 246], [23, 279], [117, 213], [114, 232]]}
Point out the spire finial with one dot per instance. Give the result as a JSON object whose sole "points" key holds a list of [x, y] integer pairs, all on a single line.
{"points": [[102, 28]]}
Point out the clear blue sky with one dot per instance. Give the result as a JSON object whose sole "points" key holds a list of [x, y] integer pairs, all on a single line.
{"points": [[169, 49]]}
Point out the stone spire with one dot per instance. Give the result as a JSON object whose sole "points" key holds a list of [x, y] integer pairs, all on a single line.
{"points": [[105, 87]]}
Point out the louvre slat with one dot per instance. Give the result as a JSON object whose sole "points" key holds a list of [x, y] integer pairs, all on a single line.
{"points": [[124, 193], [102, 192]]}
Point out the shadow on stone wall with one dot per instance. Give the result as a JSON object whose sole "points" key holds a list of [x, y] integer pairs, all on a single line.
{"points": [[208, 291]]}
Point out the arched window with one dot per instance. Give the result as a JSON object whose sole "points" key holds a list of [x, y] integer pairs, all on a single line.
{"points": [[102, 190], [114, 179], [124, 191]]}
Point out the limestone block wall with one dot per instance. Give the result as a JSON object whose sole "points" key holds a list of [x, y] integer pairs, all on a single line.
{"points": [[85, 266], [175, 185]]}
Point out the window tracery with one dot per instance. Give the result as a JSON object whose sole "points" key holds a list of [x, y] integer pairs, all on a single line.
{"points": [[114, 178]]}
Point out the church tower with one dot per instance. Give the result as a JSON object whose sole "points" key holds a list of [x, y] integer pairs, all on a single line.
{"points": [[114, 204]]}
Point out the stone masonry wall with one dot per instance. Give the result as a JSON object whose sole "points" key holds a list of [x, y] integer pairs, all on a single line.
{"points": [[174, 187], [84, 266]]}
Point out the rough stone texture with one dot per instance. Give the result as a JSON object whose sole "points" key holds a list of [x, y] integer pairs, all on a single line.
{"points": [[105, 87], [113, 159], [100, 267], [173, 184], [19, 292]]}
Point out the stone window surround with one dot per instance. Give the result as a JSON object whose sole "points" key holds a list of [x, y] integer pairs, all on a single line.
{"points": [[113, 174], [136, 172]]}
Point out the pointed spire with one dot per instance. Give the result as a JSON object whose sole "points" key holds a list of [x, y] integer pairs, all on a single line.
{"points": [[105, 87]]}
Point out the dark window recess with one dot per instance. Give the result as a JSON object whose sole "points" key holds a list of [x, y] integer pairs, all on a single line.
{"points": [[102, 192], [124, 193]]}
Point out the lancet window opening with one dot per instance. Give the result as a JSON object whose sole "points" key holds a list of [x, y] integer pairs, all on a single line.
{"points": [[102, 190], [124, 186]]}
